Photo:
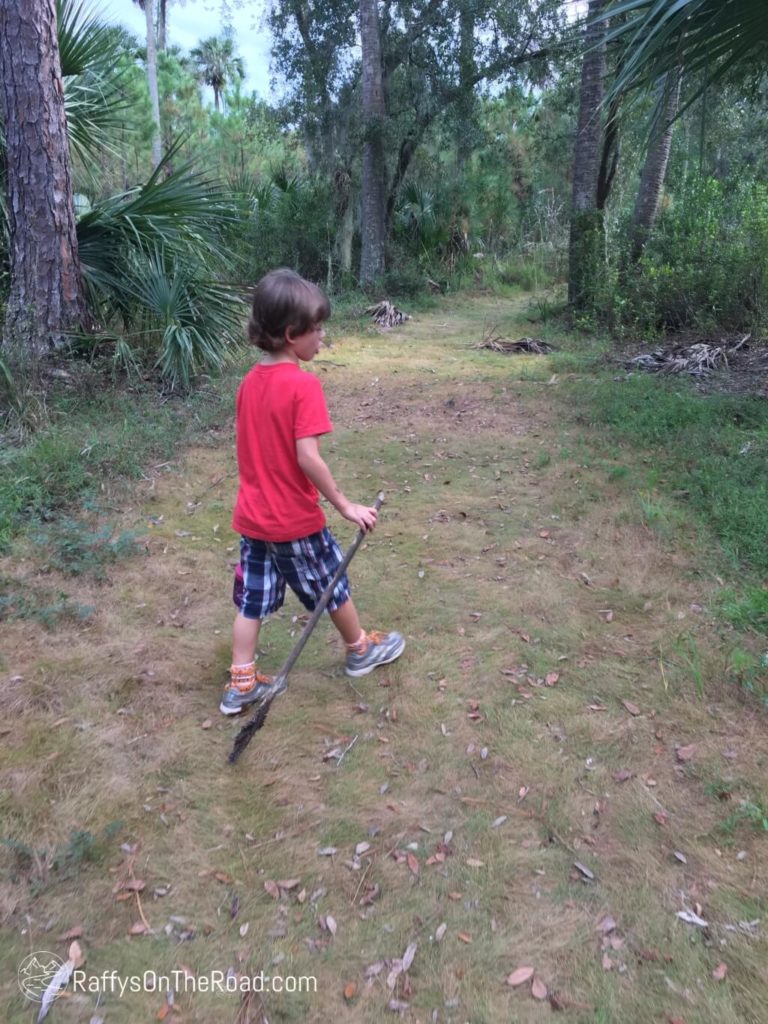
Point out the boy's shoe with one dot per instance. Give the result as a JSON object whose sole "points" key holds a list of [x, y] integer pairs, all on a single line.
{"points": [[379, 649], [245, 688]]}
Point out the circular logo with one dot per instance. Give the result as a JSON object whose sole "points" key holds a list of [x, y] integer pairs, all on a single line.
{"points": [[36, 972]]}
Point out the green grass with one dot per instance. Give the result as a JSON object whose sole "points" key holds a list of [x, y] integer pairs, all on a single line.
{"points": [[709, 452]]}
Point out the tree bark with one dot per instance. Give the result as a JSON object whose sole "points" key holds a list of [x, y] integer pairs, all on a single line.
{"points": [[466, 100], [586, 235], [373, 188], [46, 294], [648, 202], [162, 24], [154, 95]]}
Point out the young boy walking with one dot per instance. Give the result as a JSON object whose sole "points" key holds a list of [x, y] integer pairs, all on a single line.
{"points": [[280, 416]]}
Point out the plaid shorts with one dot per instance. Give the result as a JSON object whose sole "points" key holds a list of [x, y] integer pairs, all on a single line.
{"points": [[307, 565]]}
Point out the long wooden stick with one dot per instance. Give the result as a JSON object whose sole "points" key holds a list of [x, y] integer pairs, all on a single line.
{"points": [[245, 735]]}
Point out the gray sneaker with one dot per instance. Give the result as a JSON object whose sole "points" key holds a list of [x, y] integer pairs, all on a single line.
{"points": [[381, 650], [236, 698]]}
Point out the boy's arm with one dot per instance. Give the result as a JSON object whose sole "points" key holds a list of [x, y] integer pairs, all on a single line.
{"points": [[313, 465]]}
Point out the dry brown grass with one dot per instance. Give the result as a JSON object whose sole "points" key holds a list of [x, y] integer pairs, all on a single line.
{"points": [[500, 569]]}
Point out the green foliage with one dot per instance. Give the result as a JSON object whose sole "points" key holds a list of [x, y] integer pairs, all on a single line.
{"points": [[711, 450], [73, 548], [705, 264], [154, 260], [66, 860], [20, 600]]}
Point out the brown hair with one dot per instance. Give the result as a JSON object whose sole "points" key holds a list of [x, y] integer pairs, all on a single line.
{"points": [[283, 300]]}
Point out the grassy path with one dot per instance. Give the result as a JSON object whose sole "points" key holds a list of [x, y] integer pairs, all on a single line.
{"points": [[555, 769]]}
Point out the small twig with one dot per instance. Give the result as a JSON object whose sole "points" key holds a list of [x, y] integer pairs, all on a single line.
{"points": [[345, 751], [362, 880]]}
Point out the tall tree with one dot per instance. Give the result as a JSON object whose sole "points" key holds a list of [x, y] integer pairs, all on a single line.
{"points": [[46, 294], [217, 64], [148, 7], [586, 235], [648, 202], [373, 204]]}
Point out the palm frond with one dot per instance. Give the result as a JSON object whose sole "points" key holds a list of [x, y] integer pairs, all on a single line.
{"points": [[90, 53], [708, 38]]}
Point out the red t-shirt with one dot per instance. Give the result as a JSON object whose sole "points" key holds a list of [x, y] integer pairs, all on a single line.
{"points": [[277, 403]]}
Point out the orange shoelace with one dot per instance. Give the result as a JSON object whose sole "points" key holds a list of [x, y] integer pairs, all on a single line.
{"points": [[362, 645], [245, 679]]}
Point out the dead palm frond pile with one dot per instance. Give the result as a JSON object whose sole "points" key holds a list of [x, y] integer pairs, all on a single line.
{"points": [[494, 342], [386, 315], [696, 360]]}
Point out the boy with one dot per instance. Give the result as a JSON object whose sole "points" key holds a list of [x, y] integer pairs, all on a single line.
{"points": [[280, 415]]}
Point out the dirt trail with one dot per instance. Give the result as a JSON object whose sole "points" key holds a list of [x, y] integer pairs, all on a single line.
{"points": [[555, 770]]}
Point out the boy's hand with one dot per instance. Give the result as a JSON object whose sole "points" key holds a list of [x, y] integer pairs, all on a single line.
{"points": [[361, 515]]}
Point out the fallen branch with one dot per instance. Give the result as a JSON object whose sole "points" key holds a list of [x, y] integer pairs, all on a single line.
{"points": [[386, 315], [494, 342], [696, 360]]}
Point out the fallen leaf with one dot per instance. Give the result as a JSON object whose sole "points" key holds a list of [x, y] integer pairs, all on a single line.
{"points": [[272, 889], [623, 775], [413, 863], [538, 989], [207, 724], [409, 954], [73, 933], [362, 848], [440, 932], [685, 754], [584, 870], [520, 976], [327, 851], [552, 678], [464, 937], [244, 929], [499, 821], [720, 972], [163, 1012], [75, 954], [633, 709], [135, 885], [606, 614], [223, 877], [454, 896], [350, 990], [330, 924], [289, 883], [690, 918], [139, 928], [661, 817], [606, 924], [472, 862]]}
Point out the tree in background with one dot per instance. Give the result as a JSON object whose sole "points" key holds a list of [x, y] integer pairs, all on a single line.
{"points": [[373, 188], [46, 295], [586, 236], [217, 65], [148, 6]]}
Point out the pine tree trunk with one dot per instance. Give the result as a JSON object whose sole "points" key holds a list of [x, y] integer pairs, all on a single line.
{"points": [[46, 294], [154, 95], [373, 187], [162, 25], [648, 202], [586, 236]]}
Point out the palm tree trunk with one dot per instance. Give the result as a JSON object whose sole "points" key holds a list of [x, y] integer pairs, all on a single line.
{"points": [[374, 167], [648, 202], [46, 294], [154, 95], [586, 237]]}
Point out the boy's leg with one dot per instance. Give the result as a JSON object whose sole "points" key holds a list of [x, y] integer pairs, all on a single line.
{"points": [[263, 593], [309, 566]]}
